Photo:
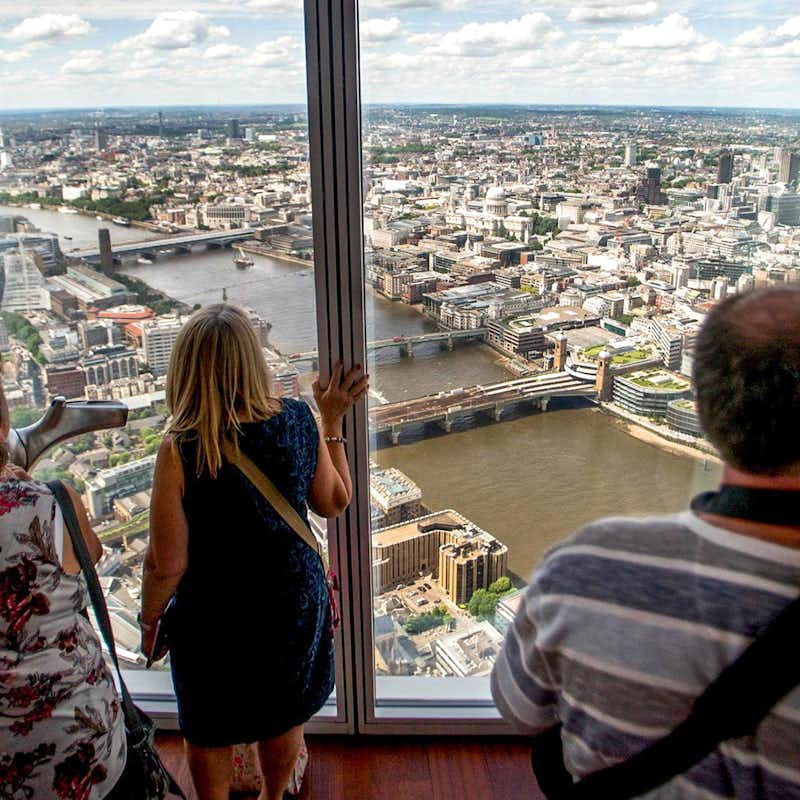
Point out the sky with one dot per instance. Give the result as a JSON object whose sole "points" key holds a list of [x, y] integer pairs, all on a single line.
{"points": [[100, 53]]}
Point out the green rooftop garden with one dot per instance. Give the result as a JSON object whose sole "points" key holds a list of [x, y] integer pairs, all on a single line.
{"points": [[685, 404], [659, 380], [639, 354]]}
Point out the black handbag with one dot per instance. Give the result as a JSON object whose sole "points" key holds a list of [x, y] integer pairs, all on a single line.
{"points": [[733, 705], [144, 777]]}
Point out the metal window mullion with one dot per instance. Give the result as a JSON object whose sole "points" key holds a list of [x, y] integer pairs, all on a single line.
{"points": [[335, 175]]}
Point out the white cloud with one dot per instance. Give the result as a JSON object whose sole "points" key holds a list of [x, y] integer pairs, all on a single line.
{"points": [[275, 5], [756, 37], [84, 62], [276, 54], [673, 32], [219, 51], [380, 30], [449, 5], [789, 29], [175, 30], [491, 38], [603, 14], [760, 36], [13, 56], [48, 27]]}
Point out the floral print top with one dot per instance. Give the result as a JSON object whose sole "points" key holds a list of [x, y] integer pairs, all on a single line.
{"points": [[61, 725]]}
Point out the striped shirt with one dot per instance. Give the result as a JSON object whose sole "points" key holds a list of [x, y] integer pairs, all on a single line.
{"points": [[622, 627]]}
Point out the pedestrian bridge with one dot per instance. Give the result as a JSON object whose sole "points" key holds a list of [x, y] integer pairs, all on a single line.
{"points": [[444, 407], [405, 344], [151, 247]]}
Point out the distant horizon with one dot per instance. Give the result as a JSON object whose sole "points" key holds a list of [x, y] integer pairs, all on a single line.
{"points": [[302, 106]]}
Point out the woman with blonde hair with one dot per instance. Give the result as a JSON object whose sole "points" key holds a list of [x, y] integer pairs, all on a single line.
{"points": [[250, 632]]}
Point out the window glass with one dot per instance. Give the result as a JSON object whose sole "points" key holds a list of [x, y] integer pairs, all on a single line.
{"points": [[181, 135], [555, 197]]}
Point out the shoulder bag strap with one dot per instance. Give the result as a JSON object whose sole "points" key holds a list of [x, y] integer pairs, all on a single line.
{"points": [[272, 495], [731, 706], [95, 591]]}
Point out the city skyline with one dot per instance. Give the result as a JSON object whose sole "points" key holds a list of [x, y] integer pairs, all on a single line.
{"points": [[590, 52]]}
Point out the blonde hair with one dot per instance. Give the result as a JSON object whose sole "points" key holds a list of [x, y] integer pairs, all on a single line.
{"points": [[217, 374]]}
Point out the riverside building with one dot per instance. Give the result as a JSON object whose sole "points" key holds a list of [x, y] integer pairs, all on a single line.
{"points": [[445, 542], [647, 393]]}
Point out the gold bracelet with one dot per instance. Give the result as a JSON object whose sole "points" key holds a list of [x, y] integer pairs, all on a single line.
{"points": [[335, 439]]}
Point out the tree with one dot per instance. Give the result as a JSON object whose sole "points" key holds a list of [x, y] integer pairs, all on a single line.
{"points": [[501, 586], [632, 281], [482, 604]]}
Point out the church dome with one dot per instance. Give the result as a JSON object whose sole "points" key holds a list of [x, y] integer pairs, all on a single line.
{"points": [[496, 193]]}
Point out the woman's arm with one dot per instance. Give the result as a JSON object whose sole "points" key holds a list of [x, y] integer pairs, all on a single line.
{"points": [[167, 553], [68, 561], [331, 487]]}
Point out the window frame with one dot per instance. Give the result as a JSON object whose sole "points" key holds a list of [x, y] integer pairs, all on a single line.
{"points": [[415, 705], [407, 705]]}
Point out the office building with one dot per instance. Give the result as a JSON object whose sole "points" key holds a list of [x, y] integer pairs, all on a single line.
{"points": [[158, 336], [682, 416], [786, 208], [403, 552], [109, 364], [520, 335], [234, 129], [648, 392], [469, 653], [649, 190], [470, 561], [790, 167], [725, 167], [66, 381], [100, 138], [121, 481], [394, 497], [23, 286], [630, 154]]}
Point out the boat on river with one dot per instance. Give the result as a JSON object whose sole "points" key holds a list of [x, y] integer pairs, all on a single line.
{"points": [[243, 261]]}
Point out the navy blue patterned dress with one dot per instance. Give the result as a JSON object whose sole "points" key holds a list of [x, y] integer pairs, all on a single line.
{"points": [[250, 631]]}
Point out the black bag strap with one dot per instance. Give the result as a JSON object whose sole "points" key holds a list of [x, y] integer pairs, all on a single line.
{"points": [[731, 706], [95, 593], [133, 718]]}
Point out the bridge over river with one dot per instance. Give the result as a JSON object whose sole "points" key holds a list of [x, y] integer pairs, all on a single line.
{"points": [[405, 344], [443, 408], [173, 244]]}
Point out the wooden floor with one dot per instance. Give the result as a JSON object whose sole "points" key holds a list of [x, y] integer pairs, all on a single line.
{"points": [[393, 768]]}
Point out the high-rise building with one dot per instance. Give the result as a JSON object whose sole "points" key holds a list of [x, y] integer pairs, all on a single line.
{"points": [[725, 167], [630, 154], [790, 167], [100, 138], [719, 288], [158, 336], [160, 124], [649, 190], [249, 134], [234, 130]]}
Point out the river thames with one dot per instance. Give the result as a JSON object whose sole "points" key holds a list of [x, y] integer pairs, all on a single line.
{"points": [[529, 480]]}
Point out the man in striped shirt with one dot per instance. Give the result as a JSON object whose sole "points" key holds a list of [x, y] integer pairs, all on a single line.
{"points": [[626, 622]]}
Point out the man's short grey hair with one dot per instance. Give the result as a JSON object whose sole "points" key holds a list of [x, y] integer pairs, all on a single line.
{"points": [[747, 379]]}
